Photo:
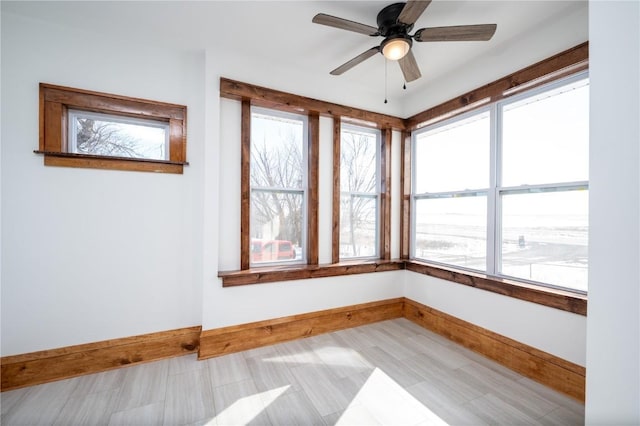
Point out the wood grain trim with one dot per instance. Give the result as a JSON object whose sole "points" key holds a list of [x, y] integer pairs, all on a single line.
{"points": [[177, 140], [55, 102], [565, 63], [63, 159], [275, 99], [405, 188], [335, 209], [288, 273], [108, 102], [551, 371], [313, 196], [245, 185], [554, 298], [41, 120], [237, 338], [385, 195], [53, 126], [56, 364]]}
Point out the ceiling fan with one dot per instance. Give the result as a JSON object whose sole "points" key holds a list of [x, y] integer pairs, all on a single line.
{"points": [[395, 22]]}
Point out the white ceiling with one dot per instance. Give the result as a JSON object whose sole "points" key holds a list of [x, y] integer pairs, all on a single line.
{"points": [[281, 33]]}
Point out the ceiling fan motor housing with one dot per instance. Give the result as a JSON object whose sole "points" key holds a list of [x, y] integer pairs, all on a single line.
{"points": [[388, 24]]}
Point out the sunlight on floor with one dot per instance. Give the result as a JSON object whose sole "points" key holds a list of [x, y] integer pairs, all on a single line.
{"points": [[380, 400], [244, 410], [386, 402], [334, 356]]}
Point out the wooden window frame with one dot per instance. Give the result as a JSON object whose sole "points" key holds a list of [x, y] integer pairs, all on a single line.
{"points": [[55, 101], [384, 194], [250, 95], [563, 64], [313, 149]]}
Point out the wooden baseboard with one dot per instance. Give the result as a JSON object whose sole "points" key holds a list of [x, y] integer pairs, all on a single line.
{"points": [[551, 371], [222, 341], [46, 366]]}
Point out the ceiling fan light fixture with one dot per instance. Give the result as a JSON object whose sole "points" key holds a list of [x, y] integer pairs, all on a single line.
{"points": [[395, 48]]}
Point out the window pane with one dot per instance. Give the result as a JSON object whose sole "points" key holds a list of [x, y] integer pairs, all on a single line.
{"points": [[358, 221], [454, 157], [358, 161], [452, 231], [277, 170], [276, 151], [104, 134], [359, 176], [546, 137], [544, 237], [276, 226]]}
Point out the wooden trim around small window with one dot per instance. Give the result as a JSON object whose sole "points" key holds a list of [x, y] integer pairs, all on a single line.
{"points": [[55, 102]]}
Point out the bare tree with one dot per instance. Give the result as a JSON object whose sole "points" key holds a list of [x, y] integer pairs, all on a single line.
{"points": [[277, 164], [358, 178], [276, 168], [104, 138]]}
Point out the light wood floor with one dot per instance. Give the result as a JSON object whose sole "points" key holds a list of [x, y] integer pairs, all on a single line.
{"points": [[392, 373]]}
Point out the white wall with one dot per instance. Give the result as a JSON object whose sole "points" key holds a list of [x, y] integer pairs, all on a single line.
{"points": [[551, 330], [613, 325], [88, 254]]}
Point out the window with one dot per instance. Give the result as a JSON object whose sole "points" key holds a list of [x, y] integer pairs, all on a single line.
{"points": [[451, 186], [359, 192], [504, 190], [296, 189], [110, 135], [543, 194], [79, 128], [278, 179]]}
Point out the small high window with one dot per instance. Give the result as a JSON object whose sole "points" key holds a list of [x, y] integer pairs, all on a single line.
{"points": [[111, 135], [79, 128]]}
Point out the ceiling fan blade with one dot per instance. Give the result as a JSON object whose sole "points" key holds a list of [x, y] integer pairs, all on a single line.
{"points": [[344, 24], [355, 61], [409, 67], [481, 32], [412, 11]]}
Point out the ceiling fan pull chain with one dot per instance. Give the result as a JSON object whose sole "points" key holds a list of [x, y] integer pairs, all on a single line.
{"points": [[404, 85], [385, 80]]}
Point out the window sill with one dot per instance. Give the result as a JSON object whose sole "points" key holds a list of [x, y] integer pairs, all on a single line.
{"points": [[554, 298], [66, 159], [269, 274]]}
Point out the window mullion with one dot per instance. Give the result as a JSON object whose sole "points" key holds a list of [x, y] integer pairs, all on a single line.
{"points": [[545, 187], [278, 189], [493, 207]]}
